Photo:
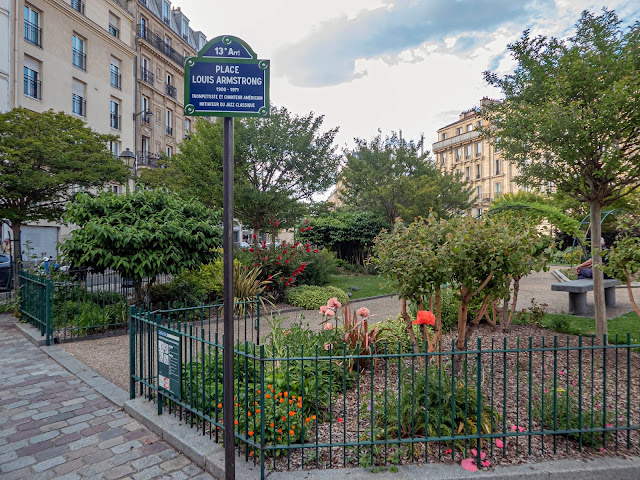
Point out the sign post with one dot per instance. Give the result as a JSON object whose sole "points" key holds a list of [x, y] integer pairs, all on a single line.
{"points": [[227, 80]]}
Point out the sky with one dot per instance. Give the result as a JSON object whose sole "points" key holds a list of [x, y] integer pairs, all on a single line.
{"points": [[388, 65]]}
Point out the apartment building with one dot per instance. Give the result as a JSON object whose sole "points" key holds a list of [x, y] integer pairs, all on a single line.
{"points": [[460, 149], [163, 39], [116, 64]]}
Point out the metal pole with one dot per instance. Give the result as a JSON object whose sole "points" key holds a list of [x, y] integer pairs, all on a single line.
{"points": [[227, 367]]}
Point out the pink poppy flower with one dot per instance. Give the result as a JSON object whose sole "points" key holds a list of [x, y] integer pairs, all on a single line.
{"points": [[499, 443], [327, 326], [333, 303], [485, 463], [469, 464], [517, 427], [363, 312], [447, 451], [323, 309], [330, 313], [475, 454]]}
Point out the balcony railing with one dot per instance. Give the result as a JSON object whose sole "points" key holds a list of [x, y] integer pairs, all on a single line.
{"points": [[114, 31], [169, 130], [77, 5], [147, 76], [32, 34], [79, 105], [146, 119], [32, 88], [172, 91], [79, 59], [159, 43], [166, 21], [114, 121], [116, 79], [148, 159], [455, 140]]}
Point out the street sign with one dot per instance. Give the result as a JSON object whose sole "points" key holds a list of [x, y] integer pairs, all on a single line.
{"points": [[226, 79], [169, 361]]}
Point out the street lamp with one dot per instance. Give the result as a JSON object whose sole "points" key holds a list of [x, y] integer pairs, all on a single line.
{"points": [[129, 158], [147, 113]]}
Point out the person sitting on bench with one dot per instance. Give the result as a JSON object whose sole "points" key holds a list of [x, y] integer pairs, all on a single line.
{"points": [[585, 269]]}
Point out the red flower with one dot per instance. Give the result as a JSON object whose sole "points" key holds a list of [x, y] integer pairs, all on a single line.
{"points": [[307, 245], [254, 236], [251, 249], [340, 420], [425, 317], [279, 257], [309, 227], [316, 251], [269, 277], [303, 229], [308, 250], [277, 263], [283, 251], [307, 220]]}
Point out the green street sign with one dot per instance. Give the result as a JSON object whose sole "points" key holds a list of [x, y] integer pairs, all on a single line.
{"points": [[226, 79]]}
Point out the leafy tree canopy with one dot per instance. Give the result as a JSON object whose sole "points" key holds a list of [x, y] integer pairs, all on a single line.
{"points": [[393, 177], [43, 156], [571, 117], [141, 234]]}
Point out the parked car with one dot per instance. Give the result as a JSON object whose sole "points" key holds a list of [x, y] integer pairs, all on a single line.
{"points": [[242, 245], [5, 271]]}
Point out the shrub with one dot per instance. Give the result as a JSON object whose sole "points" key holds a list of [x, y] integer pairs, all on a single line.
{"points": [[312, 297], [319, 268], [175, 293], [208, 278]]}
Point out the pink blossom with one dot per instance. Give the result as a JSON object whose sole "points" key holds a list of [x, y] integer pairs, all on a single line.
{"points": [[333, 303], [469, 464], [475, 454], [363, 312], [609, 425], [485, 463], [328, 346], [330, 313], [499, 443], [447, 451], [327, 326], [323, 309], [602, 449], [517, 427]]}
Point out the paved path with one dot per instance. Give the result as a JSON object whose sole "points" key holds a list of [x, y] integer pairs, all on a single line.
{"points": [[53, 425]]}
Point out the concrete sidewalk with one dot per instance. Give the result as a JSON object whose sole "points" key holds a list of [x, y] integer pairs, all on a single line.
{"points": [[54, 425]]}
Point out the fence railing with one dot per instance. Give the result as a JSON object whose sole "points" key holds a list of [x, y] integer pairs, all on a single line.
{"points": [[335, 405], [78, 304]]}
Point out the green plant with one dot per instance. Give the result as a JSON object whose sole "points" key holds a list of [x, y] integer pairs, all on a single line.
{"points": [[561, 408], [175, 294], [311, 297], [358, 337], [561, 324], [319, 268], [208, 277], [534, 314]]}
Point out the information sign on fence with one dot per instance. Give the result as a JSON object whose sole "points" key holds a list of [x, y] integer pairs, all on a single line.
{"points": [[169, 361], [226, 79]]}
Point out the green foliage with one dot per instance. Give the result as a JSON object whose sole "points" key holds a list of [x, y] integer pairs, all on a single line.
{"points": [[175, 294], [319, 267], [366, 285], [208, 277], [349, 234], [44, 156], [561, 408], [140, 234], [569, 256], [312, 297], [393, 336], [451, 411], [86, 312], [393, 178]]}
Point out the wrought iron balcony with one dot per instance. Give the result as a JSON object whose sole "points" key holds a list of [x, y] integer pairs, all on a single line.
{"points": [[78, 105], [32, 34], [455, 140], [146, 119], [32, 87], [115, 79], [172, 91], [115, 121], [79, 59], [148, 159], [158, 43], [147, 76], [170, 131]]}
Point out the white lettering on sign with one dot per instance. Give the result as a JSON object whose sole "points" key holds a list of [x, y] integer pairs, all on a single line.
{"points": [[227, 69], [222, 80]]}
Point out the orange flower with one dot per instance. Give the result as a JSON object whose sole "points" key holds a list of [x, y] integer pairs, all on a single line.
{"points": [[291, 414], [282, 400], [293, 426], [270, 386], [251, 433], [249, 414], [251, 454], [271, 424], [425, 317], [291, 432], [279, 430], [313, 417], [307, 420], [258, 391], [279, 437], [257, 411], [219, 405], [299, 404], [286, 394], [267, 396], [235, 422], [290, 401], [283, 418]]}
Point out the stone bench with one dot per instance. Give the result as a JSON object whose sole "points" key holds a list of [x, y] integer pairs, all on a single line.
{"points": [[578, 293]]}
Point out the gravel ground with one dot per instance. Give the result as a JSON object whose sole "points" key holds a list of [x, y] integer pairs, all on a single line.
{"points": [[109, 356]]}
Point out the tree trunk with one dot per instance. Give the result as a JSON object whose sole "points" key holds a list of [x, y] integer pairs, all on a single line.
{"points": [[407, 319], [598, 275], [16, 259], [633, 300], [465, 297], [516, 288]]}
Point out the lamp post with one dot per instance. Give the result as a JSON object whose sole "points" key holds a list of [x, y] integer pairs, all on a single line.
{"points": [[129, 158]]}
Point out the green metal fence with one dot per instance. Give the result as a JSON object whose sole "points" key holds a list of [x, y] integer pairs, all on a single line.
{"points": [[80, 304], [329, 406]]}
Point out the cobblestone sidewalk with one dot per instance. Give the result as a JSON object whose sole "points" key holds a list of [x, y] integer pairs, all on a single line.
{"points": [[52, 425]]}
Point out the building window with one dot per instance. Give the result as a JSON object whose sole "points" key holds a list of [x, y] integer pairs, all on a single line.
{"points": [[444, 158], [169, 123], [468, 173], [185, 29], [145, 108], [115, 189], [478, 149], [187, 128], [142, 29], [114, 116], [77, 5], [479, 214], [32, 84], [166, 12], [114, 25], [479, 124], [458, 153], [114, 147], [479, 191], [169, 152], [469, 127], [478, 171], [146, 73], [78, 105], [498, 167], [497, 189], [444, 136], [115, 73], [79, 56], [468, 151], [171, 89], [32, 30]]}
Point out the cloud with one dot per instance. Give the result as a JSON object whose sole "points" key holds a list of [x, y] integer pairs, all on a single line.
{"points": [[328, 55]]}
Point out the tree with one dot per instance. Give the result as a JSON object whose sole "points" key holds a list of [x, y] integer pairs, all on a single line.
{"points": [[571, 118], [43, 156], [141, 234], [392, 177]]}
